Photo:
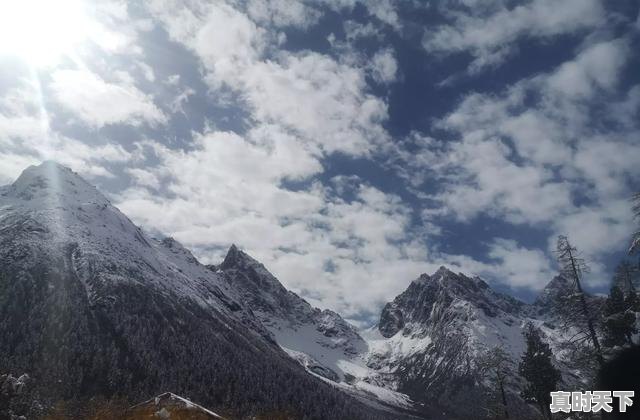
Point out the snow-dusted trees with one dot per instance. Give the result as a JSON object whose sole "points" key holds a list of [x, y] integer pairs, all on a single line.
{"points": [[635, 243], [574, 306], [619, 318], [15, 398], [537, 368], [496, 368]]}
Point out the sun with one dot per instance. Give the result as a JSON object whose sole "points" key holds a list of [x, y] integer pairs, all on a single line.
{"points": [[42, 31]]}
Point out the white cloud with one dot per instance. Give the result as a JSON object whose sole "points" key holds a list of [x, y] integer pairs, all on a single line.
{"points": [[598, 229], [522, 155], [98, 102], [13, 164], [384, 10], [323, 101], [229, 188], [519, 267], [27, 138], [354, 30], [534, 155], [595, 68], [282, 13], [384, 66], [144, 178], [489, 30]]}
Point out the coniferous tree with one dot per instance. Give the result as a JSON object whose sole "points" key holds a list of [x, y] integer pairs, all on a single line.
{"points": [[631, 302], [537, 368], [626, 278], [496, 367], [635, 243], [619, 321], [625, 275], [573, 267]]}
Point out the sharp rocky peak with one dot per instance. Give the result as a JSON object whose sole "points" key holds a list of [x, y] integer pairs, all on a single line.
{"points": [[238, 259], [433, 294], [457, 283], [549, 299]]}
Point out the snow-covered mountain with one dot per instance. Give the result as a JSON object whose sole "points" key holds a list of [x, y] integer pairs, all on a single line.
{"points": [[320, 340], [293, 321], [425, 351], [90, 304], [432, 337]]}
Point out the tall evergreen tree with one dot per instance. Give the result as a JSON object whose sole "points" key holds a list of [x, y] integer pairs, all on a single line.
{"points": [[633, 300], [635, 243], [537, 368], [573, 267]]}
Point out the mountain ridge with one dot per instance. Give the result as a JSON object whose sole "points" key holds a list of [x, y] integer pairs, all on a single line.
{"points": [[92, 305], [101, 281]]}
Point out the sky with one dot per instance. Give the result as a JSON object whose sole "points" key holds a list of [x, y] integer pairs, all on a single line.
{"points": [[349, 146]]}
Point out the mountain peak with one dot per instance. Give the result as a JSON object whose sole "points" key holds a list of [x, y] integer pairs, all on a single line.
{"points": [[443, 269], [558, 286], [444, 272], [53, 180], [236, 258], [444, 277]]}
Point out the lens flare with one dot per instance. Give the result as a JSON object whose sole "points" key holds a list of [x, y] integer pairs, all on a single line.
{"points": [[42, 31]]}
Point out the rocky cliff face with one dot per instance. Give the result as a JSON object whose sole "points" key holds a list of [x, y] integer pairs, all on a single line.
{"points": [[281, 310]]}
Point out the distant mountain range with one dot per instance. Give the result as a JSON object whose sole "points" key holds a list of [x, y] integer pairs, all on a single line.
{"points": [[92, 305]]}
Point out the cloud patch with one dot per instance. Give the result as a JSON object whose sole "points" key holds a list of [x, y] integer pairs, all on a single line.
{"points": [[97, 102], [488, 30]]}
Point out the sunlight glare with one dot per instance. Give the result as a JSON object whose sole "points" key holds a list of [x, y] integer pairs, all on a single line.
{"points": [[42, 31]]}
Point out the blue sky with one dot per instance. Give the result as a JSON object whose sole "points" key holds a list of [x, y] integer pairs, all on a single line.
{"points": [[350, 146]]}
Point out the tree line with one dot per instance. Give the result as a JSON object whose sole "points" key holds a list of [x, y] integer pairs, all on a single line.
{"points": [[595, 331]]}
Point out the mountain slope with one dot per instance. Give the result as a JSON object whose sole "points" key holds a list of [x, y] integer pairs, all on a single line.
{"points": [[320, 340], [90, 305], [168, 406], [431, 339]]}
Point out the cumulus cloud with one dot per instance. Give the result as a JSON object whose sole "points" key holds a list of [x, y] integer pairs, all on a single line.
{"points": [[323, 101], [282, 13], [27, 138], [534, 155], [384, 66], [517, 266], [229, 188], [553, 152], [97, 102], [595, 68]]}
